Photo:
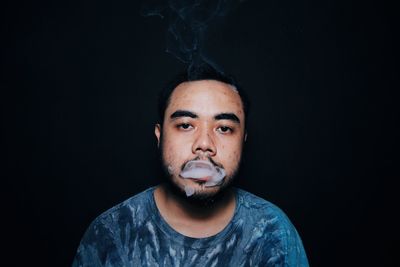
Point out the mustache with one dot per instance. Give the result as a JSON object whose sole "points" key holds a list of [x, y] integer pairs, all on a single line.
{"points": [[216, 164]]}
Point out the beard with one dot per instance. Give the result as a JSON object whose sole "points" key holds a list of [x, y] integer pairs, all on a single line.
{"points": [[200, 198]]}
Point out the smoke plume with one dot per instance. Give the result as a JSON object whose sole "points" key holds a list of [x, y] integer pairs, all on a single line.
{"points": [[188, 24]]}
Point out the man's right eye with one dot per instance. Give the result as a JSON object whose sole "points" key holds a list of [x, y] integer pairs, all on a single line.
{"points": [[185, 126]]}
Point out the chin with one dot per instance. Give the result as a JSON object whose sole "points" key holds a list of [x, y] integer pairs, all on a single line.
{"points": [[204, 192], [203, 196]]}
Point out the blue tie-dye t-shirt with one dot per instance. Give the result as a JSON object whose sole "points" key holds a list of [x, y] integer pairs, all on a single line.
{"points": [[133, 233]]}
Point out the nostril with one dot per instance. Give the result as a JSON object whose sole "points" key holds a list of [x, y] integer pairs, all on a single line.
{"points": [[204, 143]]}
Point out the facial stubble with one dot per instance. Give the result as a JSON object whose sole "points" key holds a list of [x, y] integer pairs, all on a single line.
{"points": [[199, 198]]}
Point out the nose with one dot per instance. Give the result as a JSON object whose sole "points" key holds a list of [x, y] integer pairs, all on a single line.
{"points": [[204, 143]]}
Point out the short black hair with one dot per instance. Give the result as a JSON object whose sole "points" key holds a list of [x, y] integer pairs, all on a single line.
{"points": [[199, 73]]}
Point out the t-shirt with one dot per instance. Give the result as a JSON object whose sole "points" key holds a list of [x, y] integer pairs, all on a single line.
{"points": [[133, 233]]}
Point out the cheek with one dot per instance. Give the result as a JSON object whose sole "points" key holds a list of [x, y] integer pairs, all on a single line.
{"points": [[230, 154], [170, 161], [175, 152]]}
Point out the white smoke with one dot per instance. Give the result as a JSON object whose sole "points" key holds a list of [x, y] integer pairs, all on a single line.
{"points": [[203, 171]]}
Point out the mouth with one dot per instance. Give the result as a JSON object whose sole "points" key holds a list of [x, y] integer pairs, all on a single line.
{"points": [[202, 164], [205, 165], [203, 172], [198, 179]]}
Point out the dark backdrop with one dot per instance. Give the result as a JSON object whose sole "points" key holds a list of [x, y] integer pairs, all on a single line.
{"points": [[78, 100]]}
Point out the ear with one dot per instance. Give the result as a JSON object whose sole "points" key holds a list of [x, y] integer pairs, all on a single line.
{"points": [[245, 136], [157, 132]]}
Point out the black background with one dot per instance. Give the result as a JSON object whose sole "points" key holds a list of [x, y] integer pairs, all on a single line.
{"points": [[78, 99]]}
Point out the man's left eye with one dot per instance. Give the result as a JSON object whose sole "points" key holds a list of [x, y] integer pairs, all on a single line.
{"points": [[224, 129]]}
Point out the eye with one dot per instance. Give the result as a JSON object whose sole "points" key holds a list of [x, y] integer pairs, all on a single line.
{"points": [[184, 126], [225, 129]]}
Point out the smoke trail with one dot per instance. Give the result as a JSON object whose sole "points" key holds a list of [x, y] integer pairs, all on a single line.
{"points": [[188, 22]]}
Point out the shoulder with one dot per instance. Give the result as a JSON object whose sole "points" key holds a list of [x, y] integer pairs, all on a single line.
{"points": [[111, 225], [263, 217], [259, 207], [107, 237], [269, 225], [132, 211]]}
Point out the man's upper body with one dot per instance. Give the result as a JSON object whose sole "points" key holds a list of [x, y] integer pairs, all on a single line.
{"points": [[134, 233], [196, 218]]}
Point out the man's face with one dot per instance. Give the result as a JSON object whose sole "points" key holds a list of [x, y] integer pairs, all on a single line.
{"points": [[204, 120]]}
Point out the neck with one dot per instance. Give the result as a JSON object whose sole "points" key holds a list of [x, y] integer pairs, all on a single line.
{"points": [[191, 219]]}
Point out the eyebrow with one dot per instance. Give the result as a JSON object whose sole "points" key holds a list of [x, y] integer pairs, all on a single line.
{"points": [[221, 116], [183, 113], [227, 116]]}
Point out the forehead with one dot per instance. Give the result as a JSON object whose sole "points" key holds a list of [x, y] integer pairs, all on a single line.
{"points": [[206, 97]]}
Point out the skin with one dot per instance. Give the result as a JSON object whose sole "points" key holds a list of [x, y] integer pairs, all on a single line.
{"points": [[204, 120]]}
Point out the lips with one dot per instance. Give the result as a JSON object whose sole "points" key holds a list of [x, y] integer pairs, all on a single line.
{"points": [[198, 173], [201, 164], [203, 171], [202, 179]]}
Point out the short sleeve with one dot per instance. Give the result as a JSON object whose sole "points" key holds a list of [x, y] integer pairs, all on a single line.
{"points": [[296, 255]]}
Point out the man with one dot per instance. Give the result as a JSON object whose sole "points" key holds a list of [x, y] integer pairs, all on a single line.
{"points": [[196, 218]]}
